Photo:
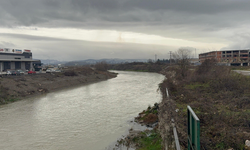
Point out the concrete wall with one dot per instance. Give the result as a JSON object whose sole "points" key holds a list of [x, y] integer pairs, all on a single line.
{"points": [[31, 66], [1, 66], [23, 65]]}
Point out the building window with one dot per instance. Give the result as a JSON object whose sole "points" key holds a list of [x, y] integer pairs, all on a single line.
{"points": [[6, 66], [17, 65], [27, 65]]}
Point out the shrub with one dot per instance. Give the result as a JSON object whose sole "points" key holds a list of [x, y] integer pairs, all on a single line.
{"points": [[70, 73], [101, 66]]}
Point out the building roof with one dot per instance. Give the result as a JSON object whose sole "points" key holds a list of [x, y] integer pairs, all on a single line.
{"points": [[21, 60], [227, 50]]}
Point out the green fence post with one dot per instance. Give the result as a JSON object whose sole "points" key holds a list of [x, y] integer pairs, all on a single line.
{"points": [[193, 130]]}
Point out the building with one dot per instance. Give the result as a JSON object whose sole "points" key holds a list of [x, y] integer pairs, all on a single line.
{"points": [[14, 59], [228, 57]]}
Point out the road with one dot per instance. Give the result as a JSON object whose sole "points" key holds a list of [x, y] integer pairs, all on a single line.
{"points": [[244, 72]]}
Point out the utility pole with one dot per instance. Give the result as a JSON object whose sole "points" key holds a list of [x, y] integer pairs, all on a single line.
{"points": [[170, 57]]}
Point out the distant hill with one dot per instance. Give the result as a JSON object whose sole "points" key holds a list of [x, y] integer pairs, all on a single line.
{"points": [[109, 61], [90, 61], [52, 62]]}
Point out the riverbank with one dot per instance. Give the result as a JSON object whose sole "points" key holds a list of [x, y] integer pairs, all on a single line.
{"points": [[220, 99], [13, 88], [143, 139]]}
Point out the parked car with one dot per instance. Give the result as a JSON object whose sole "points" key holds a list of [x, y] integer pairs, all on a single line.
{"points": [[14, 72], [31, 72], [57, 70], [50, 70], [21, 72], [17, 73], [3, 74], [8, 73]]}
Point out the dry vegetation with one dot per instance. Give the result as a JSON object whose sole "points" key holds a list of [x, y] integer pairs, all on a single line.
{"points": [[221, 100], [101, 66], [13, 88]]}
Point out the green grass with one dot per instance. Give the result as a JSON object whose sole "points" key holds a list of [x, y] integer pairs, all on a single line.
{"points": [[197, 85], [12, 100], [220, 146], [182, 107], [150, 141]]}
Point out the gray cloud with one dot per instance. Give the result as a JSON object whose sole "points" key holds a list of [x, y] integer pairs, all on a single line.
{"points": [[115, 13], [6, 44], [194, 20], [61, 49]]}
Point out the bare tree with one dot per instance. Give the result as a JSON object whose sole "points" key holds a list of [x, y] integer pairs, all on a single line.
{"points": [[181, 57], [101, 66]]}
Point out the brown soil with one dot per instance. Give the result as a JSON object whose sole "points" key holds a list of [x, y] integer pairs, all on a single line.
{"points": [[17, 87], [149, 116]]}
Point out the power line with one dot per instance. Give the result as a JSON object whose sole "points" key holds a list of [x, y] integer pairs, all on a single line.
{"points": [[170, 57]]}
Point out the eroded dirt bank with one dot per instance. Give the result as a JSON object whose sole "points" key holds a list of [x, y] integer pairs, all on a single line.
{"points": [[14, 88]]}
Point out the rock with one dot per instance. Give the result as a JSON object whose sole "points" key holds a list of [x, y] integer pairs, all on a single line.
{"points": [[247, 145], [40, 90], [154, 125]]}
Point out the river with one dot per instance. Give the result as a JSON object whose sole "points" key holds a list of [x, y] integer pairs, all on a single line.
{"points": [[88, 117]]}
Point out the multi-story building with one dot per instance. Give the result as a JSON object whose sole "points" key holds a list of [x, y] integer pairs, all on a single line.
{"points": [[229, 57], [14, 59]]}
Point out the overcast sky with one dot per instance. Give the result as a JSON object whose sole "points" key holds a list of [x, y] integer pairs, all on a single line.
{"points": [[86, 29]]}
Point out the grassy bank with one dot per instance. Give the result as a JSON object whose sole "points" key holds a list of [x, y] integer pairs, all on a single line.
{"points": [[221, 100], [147, 139]]}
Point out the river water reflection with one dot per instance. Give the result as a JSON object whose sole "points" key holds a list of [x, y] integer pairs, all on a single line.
{"points": [[89, 117]]}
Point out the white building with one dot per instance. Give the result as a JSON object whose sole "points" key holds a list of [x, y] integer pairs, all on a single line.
{"points": [[14, 59]]}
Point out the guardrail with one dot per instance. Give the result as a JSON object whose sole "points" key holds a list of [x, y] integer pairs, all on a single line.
{"points": [[176, 139]]}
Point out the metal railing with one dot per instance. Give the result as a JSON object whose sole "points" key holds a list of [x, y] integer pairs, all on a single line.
{"points": [[176, 139], [193, 130]]}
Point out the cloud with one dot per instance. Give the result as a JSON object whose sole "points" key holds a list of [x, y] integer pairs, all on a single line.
{"points": [[125, 14], [64, 49], [6, 44], [213, 21]]}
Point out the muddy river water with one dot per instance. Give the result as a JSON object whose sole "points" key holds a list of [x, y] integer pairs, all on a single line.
{"points": [[89, 117]]}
